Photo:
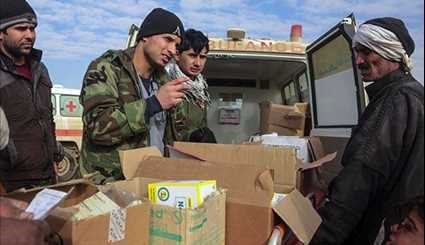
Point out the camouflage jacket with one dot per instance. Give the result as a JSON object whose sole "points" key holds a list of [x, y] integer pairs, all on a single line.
{"points": [[114, 113], [185, 119]]}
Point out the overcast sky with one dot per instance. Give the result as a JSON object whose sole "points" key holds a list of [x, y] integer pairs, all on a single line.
{"points": [[73, 32]]}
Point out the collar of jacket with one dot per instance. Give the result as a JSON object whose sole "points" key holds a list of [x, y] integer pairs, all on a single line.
{"points": [[6, 63], [126, 59], [395, 76]]}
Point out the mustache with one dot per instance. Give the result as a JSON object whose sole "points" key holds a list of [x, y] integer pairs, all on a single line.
{"points": [[364, 66]]}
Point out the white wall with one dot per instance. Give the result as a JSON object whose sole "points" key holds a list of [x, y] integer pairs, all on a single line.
{"points": [[250, 116]]}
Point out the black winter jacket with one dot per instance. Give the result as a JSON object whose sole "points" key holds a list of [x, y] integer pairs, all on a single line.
{"points": [[383, 163], [28, 108]]}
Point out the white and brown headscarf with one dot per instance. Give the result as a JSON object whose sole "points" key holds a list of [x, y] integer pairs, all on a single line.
{"points": [[389, 38]]}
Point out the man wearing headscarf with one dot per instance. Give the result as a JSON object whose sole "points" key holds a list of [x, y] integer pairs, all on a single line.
{"points": [[384, 159]]}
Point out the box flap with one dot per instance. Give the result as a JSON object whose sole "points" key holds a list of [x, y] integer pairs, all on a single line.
{"points": [[78, 189], [299, 214], [137, 185], [303, 107], [316, 148], [55, 186], [282, 160], [130, 159], [181, 154], [318, 163], [251, 186]]}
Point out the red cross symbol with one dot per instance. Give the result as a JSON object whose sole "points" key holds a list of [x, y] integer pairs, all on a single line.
{"points": [[71, 106]]}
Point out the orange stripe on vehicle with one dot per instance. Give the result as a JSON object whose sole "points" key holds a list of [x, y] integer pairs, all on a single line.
{"points": [[66, 132]]}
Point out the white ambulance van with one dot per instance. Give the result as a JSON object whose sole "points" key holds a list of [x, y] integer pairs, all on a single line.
{"points": [[67, 113]]}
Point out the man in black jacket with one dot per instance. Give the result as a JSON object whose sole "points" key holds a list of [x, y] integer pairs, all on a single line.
{"points": [[25, 96], [384, 159]]}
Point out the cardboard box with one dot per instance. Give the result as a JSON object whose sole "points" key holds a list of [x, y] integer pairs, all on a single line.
{"points": [[168, 225], [282, 119], [288, 171], [303, 108], [250, 217], [298, 213], [125, 226], [181, 194]]}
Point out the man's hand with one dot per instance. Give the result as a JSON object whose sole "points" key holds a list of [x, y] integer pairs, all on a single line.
{"points": [[11, 208], [171, 94]]}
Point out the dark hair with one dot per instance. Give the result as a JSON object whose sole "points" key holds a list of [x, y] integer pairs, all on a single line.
{"points": [[193, 39], [416, 204], [203, 135]]}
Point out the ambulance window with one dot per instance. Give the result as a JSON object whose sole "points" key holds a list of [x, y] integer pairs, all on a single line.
{"points": [[292, 89], [290, 94], [54, 105], [334, 86], [303, 88], [287, 95], [70, 106]]}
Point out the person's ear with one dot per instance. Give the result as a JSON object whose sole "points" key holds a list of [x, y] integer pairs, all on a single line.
{"points": [[143, 39]]}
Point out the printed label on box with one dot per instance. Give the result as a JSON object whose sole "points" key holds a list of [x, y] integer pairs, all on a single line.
{"points": [[117, 223]]}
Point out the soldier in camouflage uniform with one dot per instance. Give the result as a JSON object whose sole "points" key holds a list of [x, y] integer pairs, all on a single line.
{"points": [[190, 117], [126, 105]]}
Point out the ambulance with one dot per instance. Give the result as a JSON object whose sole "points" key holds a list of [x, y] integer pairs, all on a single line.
{"points": [[67, 112]]}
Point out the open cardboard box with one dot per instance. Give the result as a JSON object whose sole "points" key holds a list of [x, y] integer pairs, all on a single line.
{"points": [[125, 226], [168, 225], [289, 172], [250, 217]]}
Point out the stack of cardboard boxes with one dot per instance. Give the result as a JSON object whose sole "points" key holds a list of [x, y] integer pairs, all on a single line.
{"points": [[283, 119], [242, 213]]}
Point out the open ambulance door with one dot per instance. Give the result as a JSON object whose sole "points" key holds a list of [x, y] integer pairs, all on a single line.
{"points": [[336, 92]]}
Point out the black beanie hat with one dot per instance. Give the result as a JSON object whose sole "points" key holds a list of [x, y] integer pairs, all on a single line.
{"points": [[14, 12], [160, 21], [397, 27]]}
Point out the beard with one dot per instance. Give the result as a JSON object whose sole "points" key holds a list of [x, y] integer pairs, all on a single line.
{"points": [[153, 63], [149, 59], [16, 50]]}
